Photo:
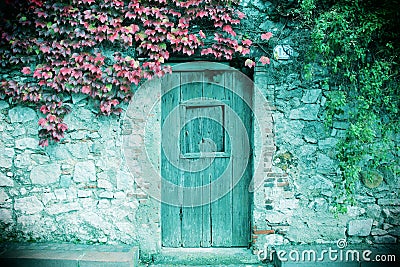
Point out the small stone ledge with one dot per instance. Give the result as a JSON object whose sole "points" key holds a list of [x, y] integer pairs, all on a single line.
{"points": [[67, 255], [205, 257]]}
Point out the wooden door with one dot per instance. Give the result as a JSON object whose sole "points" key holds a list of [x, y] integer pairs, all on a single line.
{"points": [[206, 163]]}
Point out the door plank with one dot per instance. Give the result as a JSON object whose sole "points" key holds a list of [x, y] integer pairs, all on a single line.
{"points": [[221, 214], [206, 209], [192, 216], [242, 166], [171, 222]]}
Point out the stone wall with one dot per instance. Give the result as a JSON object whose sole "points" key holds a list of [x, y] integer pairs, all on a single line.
{"points": [[78, 190], [88, 189], [297, 199]]}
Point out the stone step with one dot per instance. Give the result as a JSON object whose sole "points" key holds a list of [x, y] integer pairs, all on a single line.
{"points": [[67, 255], [206, 256]]}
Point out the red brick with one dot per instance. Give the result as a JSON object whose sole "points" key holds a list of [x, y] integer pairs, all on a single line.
{"points": [[282, 184], [264, 232]]}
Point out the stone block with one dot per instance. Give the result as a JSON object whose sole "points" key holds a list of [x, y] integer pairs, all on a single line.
{"points": [[274, 240], [355, 211], [6, 216], [65, 181], [124, 180], [102, 183], [325, 164], [5, 181], [3, 104], [327, 143], [359, 227], [340, 125], [23, 160], [6, 157], [63, 208], [378, 231], [389, 202], [60, 194], [385, 239], [45, 174], [311, 96], [21, 114], [106, 194], [28, 205], [25, 143], [84, 172], [47, 197], [78, 150], [308, 112], [119, 195], [395, 231], [373, 211], [275, 217], [84, 193], [103, 204], [5, 199]]}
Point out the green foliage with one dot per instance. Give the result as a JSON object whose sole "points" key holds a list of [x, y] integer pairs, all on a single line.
{"points": [[357, 43]]}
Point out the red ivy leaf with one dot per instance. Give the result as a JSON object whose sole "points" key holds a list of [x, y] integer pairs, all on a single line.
{"points": [[264, 60], [228, 29], [266, 36], [249, 63], [86, 89], [247, 42], [26, 70], [44, 142]]}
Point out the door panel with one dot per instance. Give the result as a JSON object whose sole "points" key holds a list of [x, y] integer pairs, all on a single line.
{"points": [[206, 167]]}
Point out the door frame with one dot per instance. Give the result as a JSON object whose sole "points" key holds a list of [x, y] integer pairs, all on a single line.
{"points": [[206, 66]]}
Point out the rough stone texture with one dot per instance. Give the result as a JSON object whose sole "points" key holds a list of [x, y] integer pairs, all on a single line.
{"points": [[6, 216], [45, 174], [389, 202], [28, 205], [325, 164], [328, 143], [5, 199], [102, 183], [124, 180], [385, 239], [360, 227], [84, 193], [63, 207], [274, 239], [6, 157], [79, 151], [311, 96], [85, 171], [3, 104], [25, 143], [378, 231], [308, 112], [21, 114], [5, 181]]}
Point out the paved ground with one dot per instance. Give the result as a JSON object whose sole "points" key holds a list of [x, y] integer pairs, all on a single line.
{"points": [[66, 255], [73, 255]]}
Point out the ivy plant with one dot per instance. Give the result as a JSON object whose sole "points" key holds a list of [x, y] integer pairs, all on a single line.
{"points": [[104, 48], [357, 43]]}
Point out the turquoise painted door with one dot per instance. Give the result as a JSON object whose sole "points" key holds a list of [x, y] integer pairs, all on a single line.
{"points": [[206, 163]]}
